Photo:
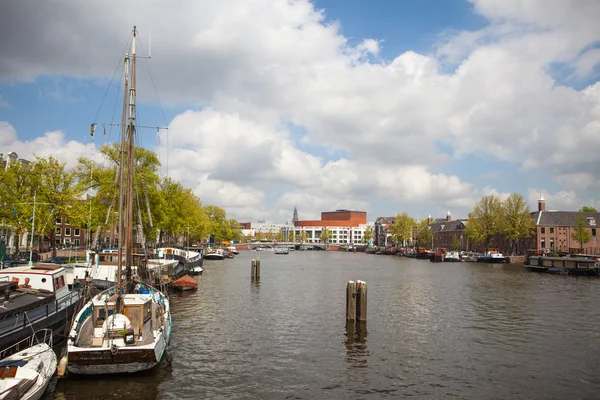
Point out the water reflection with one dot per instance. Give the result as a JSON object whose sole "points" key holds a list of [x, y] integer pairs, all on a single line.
{"points": [[356, 345]]}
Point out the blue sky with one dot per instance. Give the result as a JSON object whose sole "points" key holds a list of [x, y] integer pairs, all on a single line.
{"points": [[383, 106]]}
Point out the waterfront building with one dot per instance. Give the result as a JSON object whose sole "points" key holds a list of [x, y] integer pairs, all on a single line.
{"points": [[263, 229], [347, 227], [67, 236], [381, 231], [554, 230], [448, 233]]}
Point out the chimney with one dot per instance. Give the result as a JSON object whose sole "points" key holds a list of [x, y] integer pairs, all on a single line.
{"points": [[448, 217], [429, 219], [541, 204]]}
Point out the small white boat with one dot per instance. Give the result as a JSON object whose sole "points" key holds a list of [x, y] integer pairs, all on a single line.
{"points": [[452, 256], [281, 250], [215, 254], [197, 270], [26, 374], [233, 250]]}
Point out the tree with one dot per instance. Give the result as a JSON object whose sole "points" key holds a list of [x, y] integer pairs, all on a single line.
{"points": [[455, 243], [588, 209], [280, 236], [518, 223], [218, 226], [368, 235], [326, 235], [580, 232], [425, 235], [16, 190], [302, 236], [485, 220], [402, 228]]}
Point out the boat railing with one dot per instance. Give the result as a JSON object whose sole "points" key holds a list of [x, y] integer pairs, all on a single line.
{"points": [[38, 337]]}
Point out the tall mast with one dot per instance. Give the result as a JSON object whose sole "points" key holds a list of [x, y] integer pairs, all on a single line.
{"points": [[121, 171], [130, 153]]}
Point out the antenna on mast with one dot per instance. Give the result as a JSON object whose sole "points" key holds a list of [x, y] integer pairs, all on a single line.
{"points": [[149, 43]]}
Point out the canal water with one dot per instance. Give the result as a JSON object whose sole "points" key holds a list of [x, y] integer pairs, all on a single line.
{"points": [[456, 330]]}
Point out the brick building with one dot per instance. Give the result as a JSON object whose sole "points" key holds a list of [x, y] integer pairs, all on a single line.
{"points": [[554, 230]]}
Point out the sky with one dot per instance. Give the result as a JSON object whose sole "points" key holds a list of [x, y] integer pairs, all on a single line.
{"points": [[383, 106]]}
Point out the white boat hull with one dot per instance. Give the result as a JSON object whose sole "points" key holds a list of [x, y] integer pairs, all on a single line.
{"points": [[41, 365]]}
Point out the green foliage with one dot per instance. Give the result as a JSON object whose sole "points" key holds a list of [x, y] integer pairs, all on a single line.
{"points": [[16, 189], [486, 221], [280, 236], [588, 209], [518, 223], [368, 235], [159, 204], [402, 228], [580, 231], [455, 243], [302, 236], [326, 235], [425, 234]]}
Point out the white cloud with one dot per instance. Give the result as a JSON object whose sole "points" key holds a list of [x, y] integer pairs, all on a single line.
{"points": [[252, 72], [50, 144], [563, 200]]}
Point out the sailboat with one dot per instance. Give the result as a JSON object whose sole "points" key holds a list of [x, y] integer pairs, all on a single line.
{"points": [[127, 327]]}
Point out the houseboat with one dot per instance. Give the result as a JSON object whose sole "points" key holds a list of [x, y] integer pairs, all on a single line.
{"points": [[568, 265], [35, 297]]}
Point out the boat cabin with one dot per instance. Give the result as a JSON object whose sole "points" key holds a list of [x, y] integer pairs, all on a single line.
{"points": [[137, 311], [47, 277]]}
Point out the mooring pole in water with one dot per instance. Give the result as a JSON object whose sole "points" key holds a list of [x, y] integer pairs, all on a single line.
{"points": [[350, 303], [253, 270], [361, 303], [356, 304], [257, 269]]}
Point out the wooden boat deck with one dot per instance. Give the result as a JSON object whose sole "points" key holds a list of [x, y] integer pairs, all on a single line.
{"points": [[86, 334]]}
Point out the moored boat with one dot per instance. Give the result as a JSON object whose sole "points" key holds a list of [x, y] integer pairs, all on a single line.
{"points": [[568, 265], [126, 328], [233, 250], [452, 256], [184, 283], [281, 250], [214, 254], [35, 297], [27, 373], [492, 256]]}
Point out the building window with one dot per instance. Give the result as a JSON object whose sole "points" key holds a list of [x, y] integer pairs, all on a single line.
{"points": [[57, 242], [543, 231], [57, 231], [76, 243], [551, 230], [67, 231], [593, 231], [552, 244], [59, 220], [76, 231], [543, 243], [591, 221]]}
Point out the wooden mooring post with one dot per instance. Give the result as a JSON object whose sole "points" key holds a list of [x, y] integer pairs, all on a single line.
{"points": [[255, 269], [356, 304]]}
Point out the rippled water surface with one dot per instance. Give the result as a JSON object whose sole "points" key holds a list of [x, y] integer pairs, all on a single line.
{"points": [[460, 330]]}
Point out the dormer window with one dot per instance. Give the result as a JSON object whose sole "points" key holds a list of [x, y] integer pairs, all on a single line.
{"points": [[591, 221]]}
